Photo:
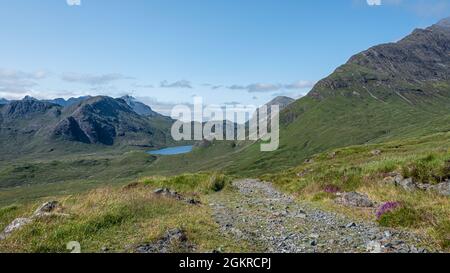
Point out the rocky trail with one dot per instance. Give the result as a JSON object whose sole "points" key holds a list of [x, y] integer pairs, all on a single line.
{"points": [[261, 215]]}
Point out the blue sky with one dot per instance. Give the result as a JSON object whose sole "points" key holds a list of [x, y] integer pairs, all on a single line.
{"points": [[166, 51]]}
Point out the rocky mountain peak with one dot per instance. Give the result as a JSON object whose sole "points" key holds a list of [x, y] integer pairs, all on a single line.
{"points": [[282, 101], [28, 107], [444, 22], [407, 65], [139, 107]]}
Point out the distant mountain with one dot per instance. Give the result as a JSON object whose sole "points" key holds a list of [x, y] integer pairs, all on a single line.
{"points": [[139, 107], [281, 101], [391, 91], [4, 101], [30, 125], [68, 102]]}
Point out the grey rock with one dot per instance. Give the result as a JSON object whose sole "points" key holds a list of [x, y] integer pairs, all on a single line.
{"points": [[408, 184], [14, 226], [442, 188], [46, 208], [174, 241], [355, 199], [375, 152]]}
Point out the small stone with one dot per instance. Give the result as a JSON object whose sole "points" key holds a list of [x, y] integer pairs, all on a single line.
{"points": [[376, 152], [389, 180], [158, 191], [350, 225]]}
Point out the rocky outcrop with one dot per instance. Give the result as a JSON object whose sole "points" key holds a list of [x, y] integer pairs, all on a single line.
{"points": [[174, 241], [355, 199], [403, 66], [139, 107], [46, 209], [29, 108], [175, 195], [15, 225], [408, 184]]}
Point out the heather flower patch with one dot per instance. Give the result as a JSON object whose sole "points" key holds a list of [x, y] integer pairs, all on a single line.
{"points": [[386, 208], [331, 189]]}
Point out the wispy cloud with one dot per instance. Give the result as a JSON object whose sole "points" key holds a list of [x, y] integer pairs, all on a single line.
{"points": [[73, 2], [16, 82], [92, 79], [270, 87], [177, 84], [144, 86], [163, 107]]}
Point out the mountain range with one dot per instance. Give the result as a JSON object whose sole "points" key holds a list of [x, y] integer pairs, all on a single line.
{"points": [[31, 125], [390, 91]]}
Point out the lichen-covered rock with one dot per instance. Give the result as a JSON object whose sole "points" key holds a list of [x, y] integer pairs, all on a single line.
{"points": [[15, 225]]}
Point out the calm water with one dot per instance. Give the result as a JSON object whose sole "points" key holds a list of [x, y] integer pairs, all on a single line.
{"points": [[172, 150]]}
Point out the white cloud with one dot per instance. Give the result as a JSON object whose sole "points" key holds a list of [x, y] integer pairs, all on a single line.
{"points": [[73, 2], [374, 2], [177, 84], [93, 79], [269, 87], [15, 82]]}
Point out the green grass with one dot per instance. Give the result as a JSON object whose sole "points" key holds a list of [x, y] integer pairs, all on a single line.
{"points": [[199, 182], [402, 217], [119, 218]]}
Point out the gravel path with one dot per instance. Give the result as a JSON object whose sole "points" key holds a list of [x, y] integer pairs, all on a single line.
{"points": [[263, 216]]}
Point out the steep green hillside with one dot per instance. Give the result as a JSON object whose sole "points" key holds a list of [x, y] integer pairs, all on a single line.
{"points": [[390, 91]]}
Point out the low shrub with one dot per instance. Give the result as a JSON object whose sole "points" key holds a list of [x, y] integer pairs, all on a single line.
{"points": [[400, 217], [217, 182]]}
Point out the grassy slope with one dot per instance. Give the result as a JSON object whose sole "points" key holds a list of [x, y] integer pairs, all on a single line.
{"points": [[356, 169], [341, 120], [122, 218], [119, 217]]}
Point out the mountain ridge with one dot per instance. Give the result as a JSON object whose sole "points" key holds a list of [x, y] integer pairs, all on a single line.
{"points": [[388, 92]]}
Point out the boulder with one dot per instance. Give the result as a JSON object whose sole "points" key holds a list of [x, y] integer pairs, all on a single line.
{"points": [[442, 188], [355, 199], [398, 178], [407, 184], [15, 225], [46, 208]]}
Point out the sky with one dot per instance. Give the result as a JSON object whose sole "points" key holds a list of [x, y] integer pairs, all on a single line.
{"points": [[165, 52]]}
